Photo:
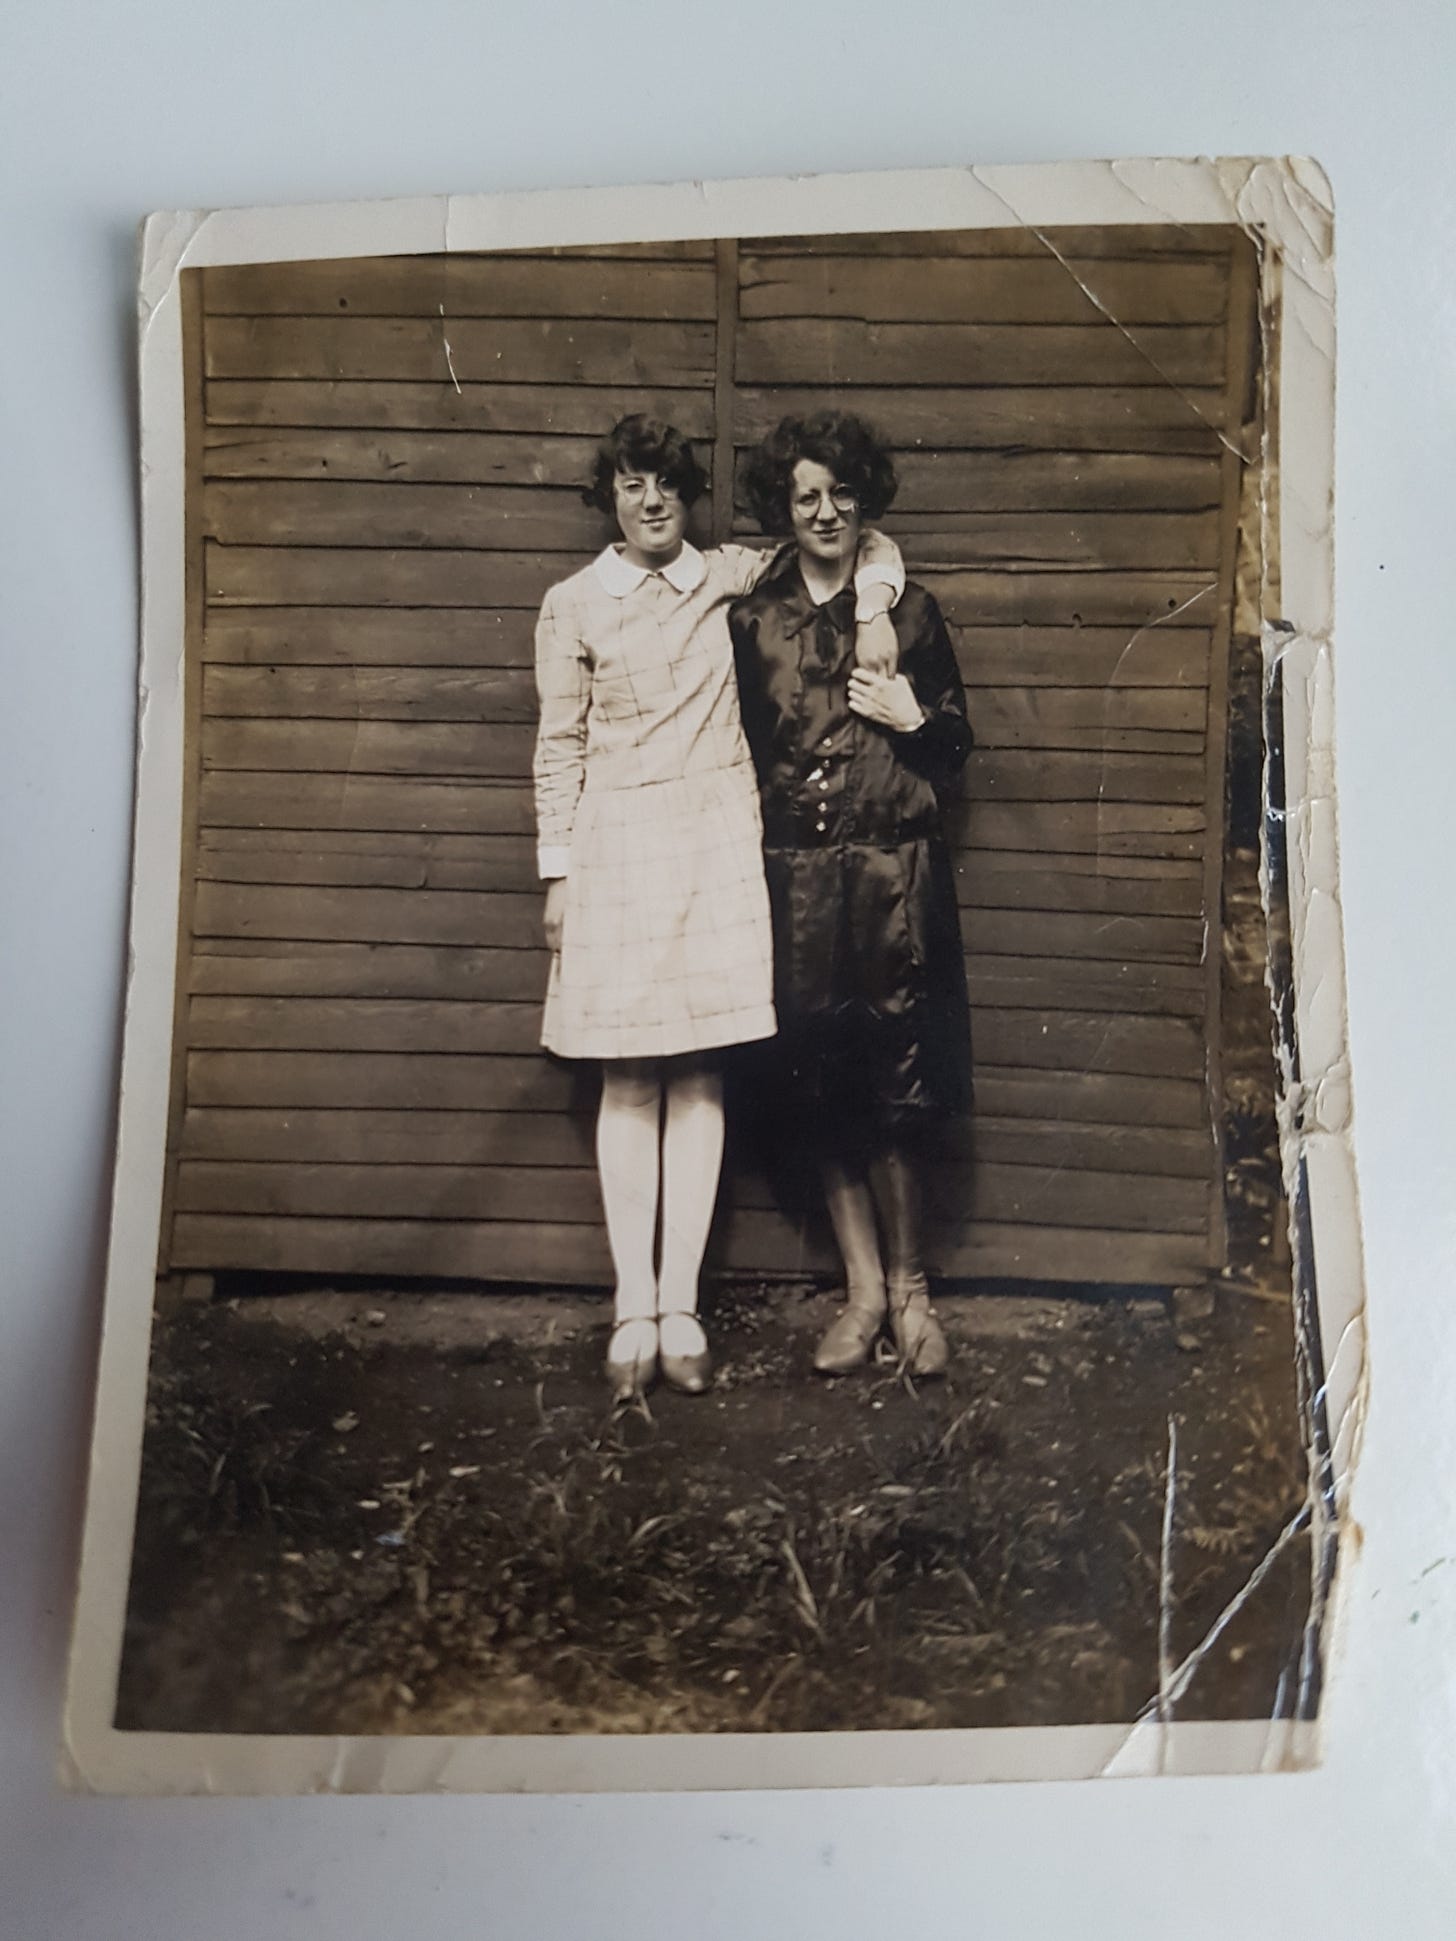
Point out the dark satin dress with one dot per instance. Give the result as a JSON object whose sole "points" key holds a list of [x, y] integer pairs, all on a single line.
{"points": [[869, 969]]}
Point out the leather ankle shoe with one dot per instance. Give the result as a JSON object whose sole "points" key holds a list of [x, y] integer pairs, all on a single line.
{"points": [[919, 1337], [847, 1342]]}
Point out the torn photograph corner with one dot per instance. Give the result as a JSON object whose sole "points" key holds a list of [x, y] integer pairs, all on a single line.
{"points": [[734, 1165]]}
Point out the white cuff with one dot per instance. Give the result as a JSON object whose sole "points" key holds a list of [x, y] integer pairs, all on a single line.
{"points": [[553, 859], [873, 575]]}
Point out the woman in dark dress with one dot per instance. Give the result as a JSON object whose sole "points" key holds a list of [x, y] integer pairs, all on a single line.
{"points": [[869, 976]]}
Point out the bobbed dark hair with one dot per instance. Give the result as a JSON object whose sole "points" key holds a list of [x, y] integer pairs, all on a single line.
{"points": [[639, 443], [837, 440]]}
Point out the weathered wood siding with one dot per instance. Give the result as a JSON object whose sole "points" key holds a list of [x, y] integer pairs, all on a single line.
{"points": [[387, 459]]}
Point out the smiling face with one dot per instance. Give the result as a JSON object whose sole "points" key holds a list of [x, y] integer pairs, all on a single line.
{"points": [[824, 515], [652, 518]]}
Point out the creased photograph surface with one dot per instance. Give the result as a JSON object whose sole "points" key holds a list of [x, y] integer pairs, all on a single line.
{"points": [[731, 1163]]}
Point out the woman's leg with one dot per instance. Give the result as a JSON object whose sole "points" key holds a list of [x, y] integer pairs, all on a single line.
{"points": [[899, 1201], [629, 1136], [851, 1336], [692, 1159]]}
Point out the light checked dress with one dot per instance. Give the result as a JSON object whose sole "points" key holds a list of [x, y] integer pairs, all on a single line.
{"points": [[647, 803]]}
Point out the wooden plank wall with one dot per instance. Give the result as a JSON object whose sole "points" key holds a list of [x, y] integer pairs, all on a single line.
{"points": [[389, 460]]}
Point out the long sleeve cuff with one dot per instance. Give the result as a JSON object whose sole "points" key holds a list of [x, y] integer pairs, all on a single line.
{"points": [[872, 573], [552, 859]]}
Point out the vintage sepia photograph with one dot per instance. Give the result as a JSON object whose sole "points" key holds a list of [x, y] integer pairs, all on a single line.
{"points": [[732, 1155]]}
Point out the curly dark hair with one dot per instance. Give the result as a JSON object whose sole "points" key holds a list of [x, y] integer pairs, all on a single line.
{"points": [[642, 444], [837, 440]]}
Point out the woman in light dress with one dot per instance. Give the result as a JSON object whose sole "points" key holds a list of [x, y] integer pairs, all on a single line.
{"points": [[650, 844]]}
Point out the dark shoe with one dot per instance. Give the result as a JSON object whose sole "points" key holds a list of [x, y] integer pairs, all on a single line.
{"points": [[686, 1364], [632, 1358], [847, 1342], [918, 1335]]}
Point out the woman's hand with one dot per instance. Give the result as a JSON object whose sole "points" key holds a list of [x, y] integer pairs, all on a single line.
{"points": [[887, 700], [555, 912]]}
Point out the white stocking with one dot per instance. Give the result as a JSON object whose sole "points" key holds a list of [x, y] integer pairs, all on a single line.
{"points": [[692, 1159], [628, 1140]]}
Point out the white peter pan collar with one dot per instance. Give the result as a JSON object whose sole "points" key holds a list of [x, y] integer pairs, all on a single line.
{"points": [[620, 577]]}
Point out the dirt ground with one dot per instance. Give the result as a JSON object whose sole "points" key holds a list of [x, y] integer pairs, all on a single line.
{"points": [[383, 1510], [375, 1510]]}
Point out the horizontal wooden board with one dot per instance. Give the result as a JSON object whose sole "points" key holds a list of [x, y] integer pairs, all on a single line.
{"points": [[1094, 657], [1156, 1150], [1003, 717], [506, 920], [370, 747], [364, 1138], [348, 636], [415, 577], [549, 1194], [1090, 1098], [1136, 719], [466, 286], [1046, 597], [571, 1196], [399, 1081], [361, 1024], [1096, 827], [408, 859], [1171, 242], [566, 1139], [236, 799], [332, 576], [403, 1081], [540, 1253], [1059, 983], [1077, 481], [1052, 481], [495, 694], [496, 518], [1100, 658], [1007, 879], [1000, 882], [306, 967], [478, 458], [1035, 776], [1059, 1041], [835, 352], [504, 351], [1148, 541], [367, 916], [312, 968], [567, 410], [1091, 936], [951, 289], [1074, 417], [1111, 825]]}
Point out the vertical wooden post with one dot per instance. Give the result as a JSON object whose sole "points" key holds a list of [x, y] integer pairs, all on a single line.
{"points": [[1241, 333], [194, 399], [727, 343]]}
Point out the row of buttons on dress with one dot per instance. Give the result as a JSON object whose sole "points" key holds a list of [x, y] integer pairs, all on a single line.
{"points": [[818, 775]]}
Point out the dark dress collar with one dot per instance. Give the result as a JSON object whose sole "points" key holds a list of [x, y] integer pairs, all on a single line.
{"points": [[797, 606]]}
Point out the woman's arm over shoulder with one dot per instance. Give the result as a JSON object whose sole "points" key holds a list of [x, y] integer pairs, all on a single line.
{"points": [[563, 684], [740, 568]]}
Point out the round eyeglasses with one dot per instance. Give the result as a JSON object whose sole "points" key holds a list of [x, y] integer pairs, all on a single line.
{"points": [[807, 504]]}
